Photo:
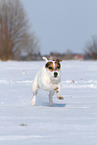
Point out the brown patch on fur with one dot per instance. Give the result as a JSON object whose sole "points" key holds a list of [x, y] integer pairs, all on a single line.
{"points": [[49, 66], [59, 60], [57, 65]]}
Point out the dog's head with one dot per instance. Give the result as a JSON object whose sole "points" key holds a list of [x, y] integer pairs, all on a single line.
{"points": [[53, 67]]}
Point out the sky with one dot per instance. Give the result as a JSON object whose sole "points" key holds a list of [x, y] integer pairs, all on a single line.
{"points": [[62, 25]]}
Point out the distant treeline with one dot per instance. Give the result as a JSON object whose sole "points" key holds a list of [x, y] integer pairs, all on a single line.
{"points": [[18, 43]]}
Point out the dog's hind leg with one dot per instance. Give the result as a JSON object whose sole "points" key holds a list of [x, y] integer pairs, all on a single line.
{"points": [[51, 93], [34, 90]]}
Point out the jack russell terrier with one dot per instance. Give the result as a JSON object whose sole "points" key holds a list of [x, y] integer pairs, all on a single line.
{"points": [[48, 78]]}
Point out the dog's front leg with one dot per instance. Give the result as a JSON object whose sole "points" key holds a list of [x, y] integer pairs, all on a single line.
{"points": [[58, 93], [51, 93], [34, 98]]}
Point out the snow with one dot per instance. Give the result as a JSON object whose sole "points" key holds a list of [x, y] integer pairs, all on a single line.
{"points": [[72, 121]]}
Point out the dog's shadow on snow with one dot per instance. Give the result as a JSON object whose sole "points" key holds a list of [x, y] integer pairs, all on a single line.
{"points": [[54, 104], [59, 105]]}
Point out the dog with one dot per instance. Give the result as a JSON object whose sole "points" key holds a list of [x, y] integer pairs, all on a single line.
{"points": [[48, 78]]}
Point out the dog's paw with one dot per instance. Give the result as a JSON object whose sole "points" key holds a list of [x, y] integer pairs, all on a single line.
{"points": [[56, 89], [33, 103], [60, 97], [50, 105]]}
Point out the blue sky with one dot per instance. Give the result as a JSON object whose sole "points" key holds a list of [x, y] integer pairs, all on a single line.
{"points": [[62, 24]]}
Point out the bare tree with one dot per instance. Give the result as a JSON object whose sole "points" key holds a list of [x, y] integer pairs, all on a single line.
{"points": [[91, 48], [15, 36]]}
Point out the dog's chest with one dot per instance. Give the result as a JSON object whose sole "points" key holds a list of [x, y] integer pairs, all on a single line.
{"points": [[46, 82]]}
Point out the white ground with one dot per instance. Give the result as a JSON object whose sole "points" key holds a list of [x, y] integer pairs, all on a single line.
{"points": [[72, 121]]}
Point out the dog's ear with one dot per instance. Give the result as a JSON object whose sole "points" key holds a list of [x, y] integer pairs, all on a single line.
{"points": [[58, 60], [45, 59]]}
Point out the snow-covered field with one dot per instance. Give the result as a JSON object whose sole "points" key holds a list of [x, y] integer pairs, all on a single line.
{"points": [[72, 121]]}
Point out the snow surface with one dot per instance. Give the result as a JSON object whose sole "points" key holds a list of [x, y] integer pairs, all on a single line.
{"points": [[72, 121]]}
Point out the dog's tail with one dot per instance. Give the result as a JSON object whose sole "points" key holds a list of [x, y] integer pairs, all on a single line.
{"points": [[45, 59]]}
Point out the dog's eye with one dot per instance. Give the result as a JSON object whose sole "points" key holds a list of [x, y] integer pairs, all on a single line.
{"points": [[50, 68], [58, 67]]}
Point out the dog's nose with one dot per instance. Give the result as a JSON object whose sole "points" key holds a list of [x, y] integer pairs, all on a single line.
{"points": [[55, 74]]}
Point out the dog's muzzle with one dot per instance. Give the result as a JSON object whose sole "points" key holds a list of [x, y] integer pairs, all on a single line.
{"points": [[55, 74]]}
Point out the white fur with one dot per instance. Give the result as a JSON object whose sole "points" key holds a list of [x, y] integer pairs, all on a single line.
{"points": [[45, 80], [45, 59]]}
